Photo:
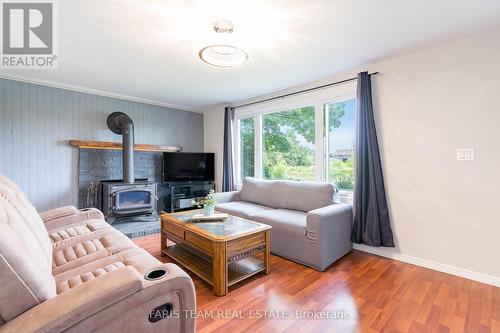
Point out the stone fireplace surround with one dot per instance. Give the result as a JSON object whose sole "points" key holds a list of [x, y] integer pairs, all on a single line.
{"points": [[95, 165]]}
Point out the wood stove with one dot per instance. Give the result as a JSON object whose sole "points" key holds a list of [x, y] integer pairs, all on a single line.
{"points": [[123, 200], [127, 197]]}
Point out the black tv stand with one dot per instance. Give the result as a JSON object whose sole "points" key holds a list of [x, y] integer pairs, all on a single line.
{"points": [[179, 194]]}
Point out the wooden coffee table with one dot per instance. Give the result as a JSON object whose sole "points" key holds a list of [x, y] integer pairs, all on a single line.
{"points": [[222, 253]]}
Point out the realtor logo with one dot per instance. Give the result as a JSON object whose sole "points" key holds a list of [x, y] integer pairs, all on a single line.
{"points": [[28, 33]]}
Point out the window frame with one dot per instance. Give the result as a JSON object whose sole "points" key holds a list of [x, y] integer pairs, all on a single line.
{"points": [[237, 150], [345, 195], [317, 99]]}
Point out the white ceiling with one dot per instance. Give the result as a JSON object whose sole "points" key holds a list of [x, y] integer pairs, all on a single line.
{"points": [[148, 49]]}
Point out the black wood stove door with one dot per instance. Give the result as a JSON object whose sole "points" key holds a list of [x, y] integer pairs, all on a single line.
{"points": [[132, 199]]}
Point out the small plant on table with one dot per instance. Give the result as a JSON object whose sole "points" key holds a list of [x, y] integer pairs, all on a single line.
{"points": [[208, 203]]}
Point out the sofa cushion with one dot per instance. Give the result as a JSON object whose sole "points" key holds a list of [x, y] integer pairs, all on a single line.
{"points": [[69, 233], [25, 273], [288, 194], [284, 222], [240, 208], [28, 214], [136, 257], [291, 235], [80, 252], [79, 279], [77, 230], [73, 252], [19, 194]]}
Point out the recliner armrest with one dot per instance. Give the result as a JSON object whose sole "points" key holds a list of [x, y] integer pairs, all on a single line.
{"points": [[60, 312], [79, 215], [122, 296], [58, 213], [223, 197]]}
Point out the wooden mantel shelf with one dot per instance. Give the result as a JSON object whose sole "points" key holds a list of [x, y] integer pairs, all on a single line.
{"points": [[118, 146]]}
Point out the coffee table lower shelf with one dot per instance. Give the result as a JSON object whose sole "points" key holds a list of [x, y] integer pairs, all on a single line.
{"points": [[202, 266]]}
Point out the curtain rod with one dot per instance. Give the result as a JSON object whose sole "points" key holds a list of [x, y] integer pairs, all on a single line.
{"points": [[302, 91]]}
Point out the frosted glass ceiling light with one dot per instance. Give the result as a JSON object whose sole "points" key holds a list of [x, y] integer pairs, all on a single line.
{"points": [[223, 55]]}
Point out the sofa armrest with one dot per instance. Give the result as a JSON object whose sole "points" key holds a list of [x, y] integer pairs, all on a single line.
{"points": [[331, 227], [58, 212], [327, 218], [60, 312], [122, 296], [223, 197], [78, 216]]}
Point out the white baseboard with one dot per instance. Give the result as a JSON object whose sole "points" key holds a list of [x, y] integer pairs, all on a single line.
{"points": [[465, 273]]}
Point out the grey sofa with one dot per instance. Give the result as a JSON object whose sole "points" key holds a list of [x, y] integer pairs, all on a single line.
{"points": [[308, 225]]}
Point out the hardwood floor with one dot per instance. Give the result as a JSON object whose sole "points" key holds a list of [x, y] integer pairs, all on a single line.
{"points": [[374, 294]]}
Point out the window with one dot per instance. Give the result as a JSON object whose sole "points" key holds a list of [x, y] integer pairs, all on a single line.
{"points": [[341, 136], [302, 137], [288, 139], [247, 147]]}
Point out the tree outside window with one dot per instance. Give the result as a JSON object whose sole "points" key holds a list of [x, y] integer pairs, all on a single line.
{"points": [[288, 139]]}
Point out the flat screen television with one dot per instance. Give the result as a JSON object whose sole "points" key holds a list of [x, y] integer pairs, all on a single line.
{"points": [[188, 166]]}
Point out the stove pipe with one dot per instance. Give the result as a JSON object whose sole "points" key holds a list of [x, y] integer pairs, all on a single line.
{"points": [[120, 123]]}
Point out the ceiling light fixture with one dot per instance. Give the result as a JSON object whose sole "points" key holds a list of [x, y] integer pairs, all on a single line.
{"points": [[223, 55], [223, 26]]}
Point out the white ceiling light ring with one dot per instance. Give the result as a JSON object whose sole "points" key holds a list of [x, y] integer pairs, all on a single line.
{"points": [[223, 56]]}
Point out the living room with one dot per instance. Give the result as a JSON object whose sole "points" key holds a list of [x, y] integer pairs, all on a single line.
{"points": [[269, 166]]}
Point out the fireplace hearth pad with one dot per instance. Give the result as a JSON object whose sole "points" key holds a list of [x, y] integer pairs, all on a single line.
{"points": [[134, 227]]}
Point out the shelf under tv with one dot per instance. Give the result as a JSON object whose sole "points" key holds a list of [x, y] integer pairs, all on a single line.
{"points": [[186, 191]]}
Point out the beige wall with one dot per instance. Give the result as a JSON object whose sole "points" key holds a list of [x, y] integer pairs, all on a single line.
{"points": [[213, 138], [444, 213]]}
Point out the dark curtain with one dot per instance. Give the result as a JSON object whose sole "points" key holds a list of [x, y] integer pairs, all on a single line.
{"points": [[228, 176], [372, 225]]}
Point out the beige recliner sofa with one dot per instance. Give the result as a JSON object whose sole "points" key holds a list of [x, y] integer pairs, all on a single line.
{"points": [[68, 270]]}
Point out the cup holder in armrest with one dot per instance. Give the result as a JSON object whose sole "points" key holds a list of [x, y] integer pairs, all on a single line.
{"points": [[155, 274]]}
